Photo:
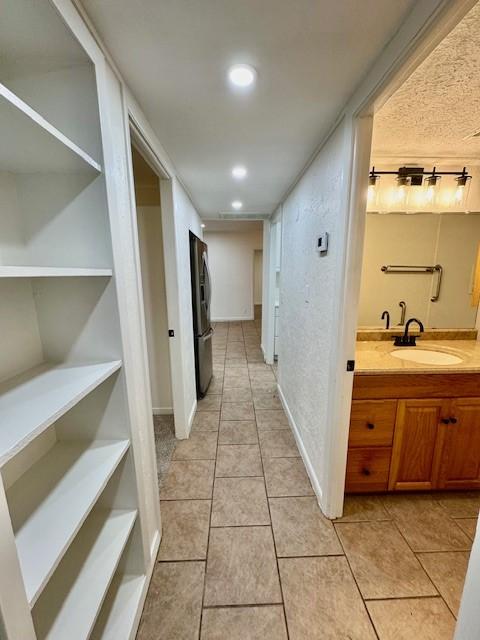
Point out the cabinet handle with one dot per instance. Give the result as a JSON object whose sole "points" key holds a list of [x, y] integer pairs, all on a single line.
{"points": [[370, 425], [446, 420], [453, 420], [365, 471]]}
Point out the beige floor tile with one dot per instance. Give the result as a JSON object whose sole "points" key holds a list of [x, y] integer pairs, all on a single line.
{"points": [[210, 403], [199, 446], [322, 601], [216, 385], [241, 567], [278, 444], [300, 528], [236, 381], [266, 387], [237, 360], [238, 432], [239, 502], [460, 504], [363, 509], [447, 572], [238, 460], [424, 524], [206, 421], [383, 564], [237, 395], [419, 619], [468, 525], [286, 477], [269, 419], [188, 480], [244, 623], [264, 400], [261, 377], [185, 525], [174, 602], [237, 411]]}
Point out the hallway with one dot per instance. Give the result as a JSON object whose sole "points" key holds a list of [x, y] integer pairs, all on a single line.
{"points": [[246, 551]]}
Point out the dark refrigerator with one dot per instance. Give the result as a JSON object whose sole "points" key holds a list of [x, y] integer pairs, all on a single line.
{"points": [[202, 329]]}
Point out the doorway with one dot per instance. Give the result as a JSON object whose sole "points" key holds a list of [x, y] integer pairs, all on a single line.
{"points": [[152, 267], [257, 283]]}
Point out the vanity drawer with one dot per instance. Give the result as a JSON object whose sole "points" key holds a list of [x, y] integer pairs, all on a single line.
{"points": [[372, 423], [368, 469]]}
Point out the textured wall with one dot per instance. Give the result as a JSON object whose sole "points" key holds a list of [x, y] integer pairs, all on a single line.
{"points": [[307, 293]]}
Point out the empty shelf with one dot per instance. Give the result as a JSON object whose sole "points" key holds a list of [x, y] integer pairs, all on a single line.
{"points": [[30, 144], [69, 606], [50, 502], [32, 401], [120, 608], [52, 272]]}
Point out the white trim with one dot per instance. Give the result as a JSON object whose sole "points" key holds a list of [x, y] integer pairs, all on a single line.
{"points": [[191, 416], [234, 319], [162, 411], [303, 452], [154, 549]]}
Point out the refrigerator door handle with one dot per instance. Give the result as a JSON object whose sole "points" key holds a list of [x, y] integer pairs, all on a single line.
{"points": [[209, 289]]}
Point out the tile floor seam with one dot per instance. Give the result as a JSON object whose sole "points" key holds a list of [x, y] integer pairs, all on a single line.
{"points": [[358, 587]]}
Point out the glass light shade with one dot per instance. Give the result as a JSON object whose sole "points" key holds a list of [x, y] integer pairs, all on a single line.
{"points": [[373, 193]]}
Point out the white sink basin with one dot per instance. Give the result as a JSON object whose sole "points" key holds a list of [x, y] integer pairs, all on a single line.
{"points": [[424, 356]]}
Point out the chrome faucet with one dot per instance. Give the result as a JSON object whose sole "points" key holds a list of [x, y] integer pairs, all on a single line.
{"points": [[386, 315], [403, 305], [406, 340]]}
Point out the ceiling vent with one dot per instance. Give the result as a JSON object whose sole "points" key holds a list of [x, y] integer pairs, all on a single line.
{"points": [[244, 216]]}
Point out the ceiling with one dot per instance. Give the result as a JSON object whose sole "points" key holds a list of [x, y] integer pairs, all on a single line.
{"points": [[309, 55], [436, 110]]}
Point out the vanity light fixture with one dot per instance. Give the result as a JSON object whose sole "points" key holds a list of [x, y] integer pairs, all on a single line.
{"points": [[242, 75], [237, 205], [419, 190]]}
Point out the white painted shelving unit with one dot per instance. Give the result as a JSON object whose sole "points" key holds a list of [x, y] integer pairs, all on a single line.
{"points": [[73, 562]]}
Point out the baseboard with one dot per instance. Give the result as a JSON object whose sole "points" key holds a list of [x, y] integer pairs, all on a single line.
{"points": [[303, 452], [192, 416], [154, 549], [162, 411], [234, 319]]}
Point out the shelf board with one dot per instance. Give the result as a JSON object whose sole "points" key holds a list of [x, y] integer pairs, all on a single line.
{"points": [[50, 502], [30, 144], [32, 401], [69, 606], [120, 608], [52, 272]]}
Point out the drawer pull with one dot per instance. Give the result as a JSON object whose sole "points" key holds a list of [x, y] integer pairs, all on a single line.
{"points": [[453, 420], [446, 420], [370, 425], [365, 471]]}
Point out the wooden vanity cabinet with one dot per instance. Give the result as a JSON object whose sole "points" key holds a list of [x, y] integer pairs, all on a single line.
{"points": [[414, 443]]}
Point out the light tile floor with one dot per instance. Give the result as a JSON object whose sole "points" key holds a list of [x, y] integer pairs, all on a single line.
{"points": [[246, 553]]}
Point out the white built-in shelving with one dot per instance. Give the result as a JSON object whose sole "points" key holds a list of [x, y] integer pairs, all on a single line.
{"points": [[30, 144], [68, 480], [32, 401], [70, 605], [70, 507]]}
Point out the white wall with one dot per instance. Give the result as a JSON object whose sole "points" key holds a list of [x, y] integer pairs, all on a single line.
{"points": [[307, 301], [231, 257], [154, 297], [450, 240]]}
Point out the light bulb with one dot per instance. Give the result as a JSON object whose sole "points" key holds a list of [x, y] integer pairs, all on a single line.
{"points": [[239, 172], [242, 75], [236, 204]]}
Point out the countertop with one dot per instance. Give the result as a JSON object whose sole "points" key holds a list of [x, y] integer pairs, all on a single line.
{"points": [[373, 357]]}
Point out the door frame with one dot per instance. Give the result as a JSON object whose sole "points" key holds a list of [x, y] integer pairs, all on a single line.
{"points": [[440, 18]]}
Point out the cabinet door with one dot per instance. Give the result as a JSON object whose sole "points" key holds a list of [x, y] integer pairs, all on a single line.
{"points": [[460, 468], [417, 444]]}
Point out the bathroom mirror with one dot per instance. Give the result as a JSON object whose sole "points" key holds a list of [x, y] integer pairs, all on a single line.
{"points": [[398, 247]]}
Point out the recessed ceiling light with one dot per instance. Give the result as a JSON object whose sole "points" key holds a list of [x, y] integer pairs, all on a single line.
{"points": [[239, 172], [236, 204], [203, 226], [242, 75]]}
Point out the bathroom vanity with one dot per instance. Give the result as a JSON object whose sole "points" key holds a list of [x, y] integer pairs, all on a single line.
{"points": [[415, 425]]}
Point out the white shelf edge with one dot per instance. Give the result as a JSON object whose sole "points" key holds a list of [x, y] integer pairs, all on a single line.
{"points": [[22, 106], [52, 272], [22, 386], [92, 561], [40, 550], [120, 609]]}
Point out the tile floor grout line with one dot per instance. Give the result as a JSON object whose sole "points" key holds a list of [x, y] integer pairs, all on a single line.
{"points": [[273, 533], [358, 588]]}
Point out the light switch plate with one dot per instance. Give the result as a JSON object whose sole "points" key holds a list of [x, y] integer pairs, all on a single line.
{"points": [[322, 243]]}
